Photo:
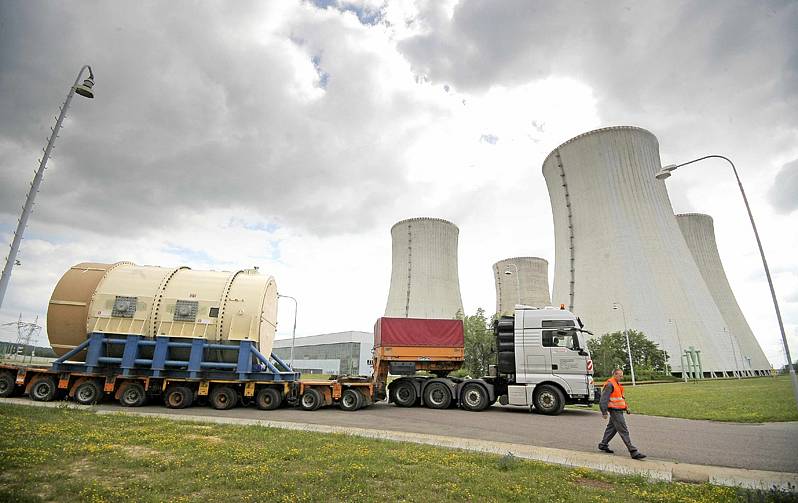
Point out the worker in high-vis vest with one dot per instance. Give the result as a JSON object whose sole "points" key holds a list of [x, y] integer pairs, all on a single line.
{"points": [[613, 404]]}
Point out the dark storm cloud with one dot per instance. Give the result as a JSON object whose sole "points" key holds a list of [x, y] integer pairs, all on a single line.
{"points": [[784, 192], [193, 115], [703, 74]]}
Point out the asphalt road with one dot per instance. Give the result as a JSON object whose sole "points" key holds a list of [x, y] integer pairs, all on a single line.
{"points": [[769, 446]]}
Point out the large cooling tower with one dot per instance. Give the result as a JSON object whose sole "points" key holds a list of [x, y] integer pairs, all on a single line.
{"points": [[699, 233], [424, 280], [617, 241], [521, 280], [124, 298]]}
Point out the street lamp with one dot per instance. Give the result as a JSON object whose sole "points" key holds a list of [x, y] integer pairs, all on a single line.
{"points": [[616, 306], [293, 332], [681, 351], [664, 173], [517, 279], [86, 89]]}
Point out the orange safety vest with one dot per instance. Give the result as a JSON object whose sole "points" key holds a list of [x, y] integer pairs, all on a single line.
{"points": [[617, 400]]}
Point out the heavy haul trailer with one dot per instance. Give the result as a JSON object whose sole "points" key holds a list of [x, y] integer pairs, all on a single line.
{"points": [[130, 369], [542, 363]]}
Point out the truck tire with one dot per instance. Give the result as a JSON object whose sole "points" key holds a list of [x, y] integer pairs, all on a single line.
{"points": [[351, 399], [311, 399], [133, 395], [474, 397], [8, 383], [178, 397], [223, 398], [88, 393], [437, 396], [404, 394], [43, 389], [268, 399], [548, 400]]}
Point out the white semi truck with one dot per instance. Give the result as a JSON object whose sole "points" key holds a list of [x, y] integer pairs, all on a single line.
{"points": [[542, 363]]}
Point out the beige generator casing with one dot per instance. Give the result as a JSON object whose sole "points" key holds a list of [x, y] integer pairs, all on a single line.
{"points": [[128, 299]]}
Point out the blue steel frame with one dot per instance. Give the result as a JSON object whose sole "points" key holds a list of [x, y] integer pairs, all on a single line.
{"points": [[251, 364]]}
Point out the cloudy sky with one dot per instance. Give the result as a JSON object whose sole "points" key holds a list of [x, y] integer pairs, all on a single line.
{"points": [[291, 135]]}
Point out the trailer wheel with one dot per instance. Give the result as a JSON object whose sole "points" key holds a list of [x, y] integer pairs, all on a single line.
{"points": [[8, 384], [437, 396], [311, 399], [404, 394], [43, 389], [178, 397], [474, 397], [223, 398], [549, 400], [88, 393], [268, 399], [133, 395], [351, 399]]}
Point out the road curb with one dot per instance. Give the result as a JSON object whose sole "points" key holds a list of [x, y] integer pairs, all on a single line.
{"points": [[655, 470]]}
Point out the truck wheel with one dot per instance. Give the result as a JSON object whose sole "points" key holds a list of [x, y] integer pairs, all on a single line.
{"points": [[178, 397], [437, 396], [549, 400], [311, 399], [351, 399], [474, 397], [223, 398], [404, 394], [88, 393], [8, 384], [268, 399], [43, 389], [133, 395]]}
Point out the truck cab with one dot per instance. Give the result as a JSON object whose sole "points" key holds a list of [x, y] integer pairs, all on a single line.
{"points": [[543, 359]]}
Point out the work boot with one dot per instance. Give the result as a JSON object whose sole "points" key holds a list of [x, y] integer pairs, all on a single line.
{"points": [[605, 449], [638, 455]]}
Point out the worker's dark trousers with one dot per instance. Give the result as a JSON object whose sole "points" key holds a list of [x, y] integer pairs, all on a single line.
{"points": [[617, 424]]}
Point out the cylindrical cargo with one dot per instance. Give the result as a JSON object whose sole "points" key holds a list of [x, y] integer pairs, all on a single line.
{"points": [[127, 299]]}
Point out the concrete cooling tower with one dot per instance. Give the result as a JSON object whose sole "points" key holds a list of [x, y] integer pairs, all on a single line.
{"points": [[424, 279], [699, 233], [617, 241], [527, 283]]}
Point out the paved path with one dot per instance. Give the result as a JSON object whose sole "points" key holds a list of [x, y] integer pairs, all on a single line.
{"points": [[769, 446]]}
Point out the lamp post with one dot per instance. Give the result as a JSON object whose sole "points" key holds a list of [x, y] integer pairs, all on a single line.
{"points": [[616, 306], [665, 172], [293, 331], [517, 279], [85, 90], [734, 353], [681, 351]]}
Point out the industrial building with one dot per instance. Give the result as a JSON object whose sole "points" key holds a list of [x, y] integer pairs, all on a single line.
{"points": [[340, 353], [620, 257], [699, 234], [521, 280], [424, 276]]}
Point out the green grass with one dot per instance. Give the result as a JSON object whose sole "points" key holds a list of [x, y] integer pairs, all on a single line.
{"points": [[58, 454], [751, 400]]}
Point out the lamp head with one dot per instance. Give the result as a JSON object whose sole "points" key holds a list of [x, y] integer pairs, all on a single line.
{"points": [[665, 172], [508, 272], [86, 89], [615, 306]]}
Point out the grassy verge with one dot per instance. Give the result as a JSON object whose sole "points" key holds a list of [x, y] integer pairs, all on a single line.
{"points": [[54, 454], [751, 400]]}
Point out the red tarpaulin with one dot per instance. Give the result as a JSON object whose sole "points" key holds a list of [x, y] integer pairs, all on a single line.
{"points": [[418, 332]]}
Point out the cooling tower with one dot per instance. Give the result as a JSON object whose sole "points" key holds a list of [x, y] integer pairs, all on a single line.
{"points": [[617, 241], [124, 298], [521, 280], [424, 280], [699, 233]]}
